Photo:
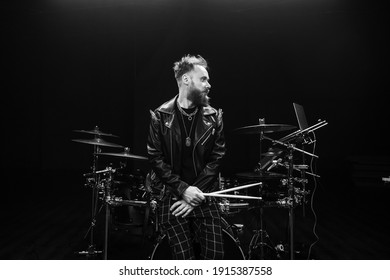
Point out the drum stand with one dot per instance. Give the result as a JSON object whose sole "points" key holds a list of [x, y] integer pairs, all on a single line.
{"points": [[107, 200], [291, 190], [291, 196], [262, 234], [94, 205]]}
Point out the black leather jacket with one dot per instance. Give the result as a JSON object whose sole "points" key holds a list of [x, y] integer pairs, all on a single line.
{"points": [[164, 149]]}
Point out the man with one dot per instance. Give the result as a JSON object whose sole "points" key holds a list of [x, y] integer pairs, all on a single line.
{"points": [[185, 147]]}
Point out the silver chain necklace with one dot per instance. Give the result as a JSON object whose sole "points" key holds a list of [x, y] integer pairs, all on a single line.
{"points": [[188, 138], [189, 116]]}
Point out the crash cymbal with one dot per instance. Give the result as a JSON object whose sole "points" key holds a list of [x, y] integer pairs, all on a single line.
{"points": [[96, 131], [266, 128], [260, 175], [125, 154], [98, 142]]}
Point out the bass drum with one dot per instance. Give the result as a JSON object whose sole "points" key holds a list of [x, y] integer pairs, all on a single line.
{"points": [[231, 245]]}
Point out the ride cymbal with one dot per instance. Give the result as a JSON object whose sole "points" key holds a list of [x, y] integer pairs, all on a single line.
{"points": [[265, 128], [97, 142], [96, 131], [125, 154]]}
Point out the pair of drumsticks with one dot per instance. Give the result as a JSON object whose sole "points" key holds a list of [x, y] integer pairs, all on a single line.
{"points": [[221, 193]]}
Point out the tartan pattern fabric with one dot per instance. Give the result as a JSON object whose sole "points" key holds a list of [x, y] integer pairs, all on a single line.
{"points": [[184, 232], [203, 225], [208, 208]]}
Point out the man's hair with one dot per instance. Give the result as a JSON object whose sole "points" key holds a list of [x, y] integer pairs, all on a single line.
{"points": [[187, 64]]}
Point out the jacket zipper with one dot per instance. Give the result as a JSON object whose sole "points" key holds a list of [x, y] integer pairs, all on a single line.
{"points": [[204, 141], [170, 132], [193, 151]]}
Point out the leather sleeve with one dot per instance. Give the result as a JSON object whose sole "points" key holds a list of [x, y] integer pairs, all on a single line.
{"points": [[209, 174], [158, 159]]}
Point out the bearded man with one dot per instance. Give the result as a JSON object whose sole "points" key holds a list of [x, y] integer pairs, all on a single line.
{"points": [[185, 147]]}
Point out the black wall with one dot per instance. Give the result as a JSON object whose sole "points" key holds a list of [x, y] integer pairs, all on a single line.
{"points": [[71, 65]]}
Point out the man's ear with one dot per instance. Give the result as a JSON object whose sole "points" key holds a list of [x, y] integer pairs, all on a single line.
{"points": [[186, 79]]}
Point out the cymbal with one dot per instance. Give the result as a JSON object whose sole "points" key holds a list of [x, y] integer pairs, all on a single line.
{"points": [[266, 128], [270, 154], [263, 175], [97, 142], [125, 154], [96, 131]]}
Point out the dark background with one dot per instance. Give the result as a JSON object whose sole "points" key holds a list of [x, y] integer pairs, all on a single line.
{"points": [[72, 65]]}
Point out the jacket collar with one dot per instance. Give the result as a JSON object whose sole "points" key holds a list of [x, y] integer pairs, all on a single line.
{"points": [[169, 108]]}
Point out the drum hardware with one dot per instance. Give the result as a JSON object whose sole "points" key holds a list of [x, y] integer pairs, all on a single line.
{"points": [[302, 137], [103, 189], [93, 181], [261, 129], [297, 167], [225, 206], [301, 180], [290, 146], [290, 201], [110, 200], [256, 244], [303, 133]]}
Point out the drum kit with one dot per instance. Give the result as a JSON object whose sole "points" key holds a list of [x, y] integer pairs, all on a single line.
{"points": [[264, 188], [255, 189], [107, 190]]}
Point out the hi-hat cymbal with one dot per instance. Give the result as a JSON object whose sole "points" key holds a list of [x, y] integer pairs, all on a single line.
{"points": [[260, 175], [266, 128], [96, 131], [125, 154], [97, 142]]}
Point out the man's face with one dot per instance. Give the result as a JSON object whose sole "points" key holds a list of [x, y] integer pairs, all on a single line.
{"points": [[199, 88]]}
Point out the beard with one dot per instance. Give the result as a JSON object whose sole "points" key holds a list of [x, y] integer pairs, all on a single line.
{"points": [[198, 97]]}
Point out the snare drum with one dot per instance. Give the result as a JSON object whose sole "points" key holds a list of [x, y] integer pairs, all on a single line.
{"points": [[231, 245], [231, 206]]}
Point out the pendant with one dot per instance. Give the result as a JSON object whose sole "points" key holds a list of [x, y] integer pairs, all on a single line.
{"points": [[190, 118], [188, 141]]}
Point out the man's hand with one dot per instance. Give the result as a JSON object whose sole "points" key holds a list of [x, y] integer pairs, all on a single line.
{"points": [[193, 196], [181, 208]]}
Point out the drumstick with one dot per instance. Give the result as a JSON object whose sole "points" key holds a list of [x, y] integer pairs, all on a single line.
{"points": [[238, 188], [231, 196]]}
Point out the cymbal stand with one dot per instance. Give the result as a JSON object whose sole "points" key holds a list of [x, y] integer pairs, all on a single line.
{"points": [[291, 195], [107, 201], [94, 206], [303, 177], [261, 121], [262, 234], [291, 190]]}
